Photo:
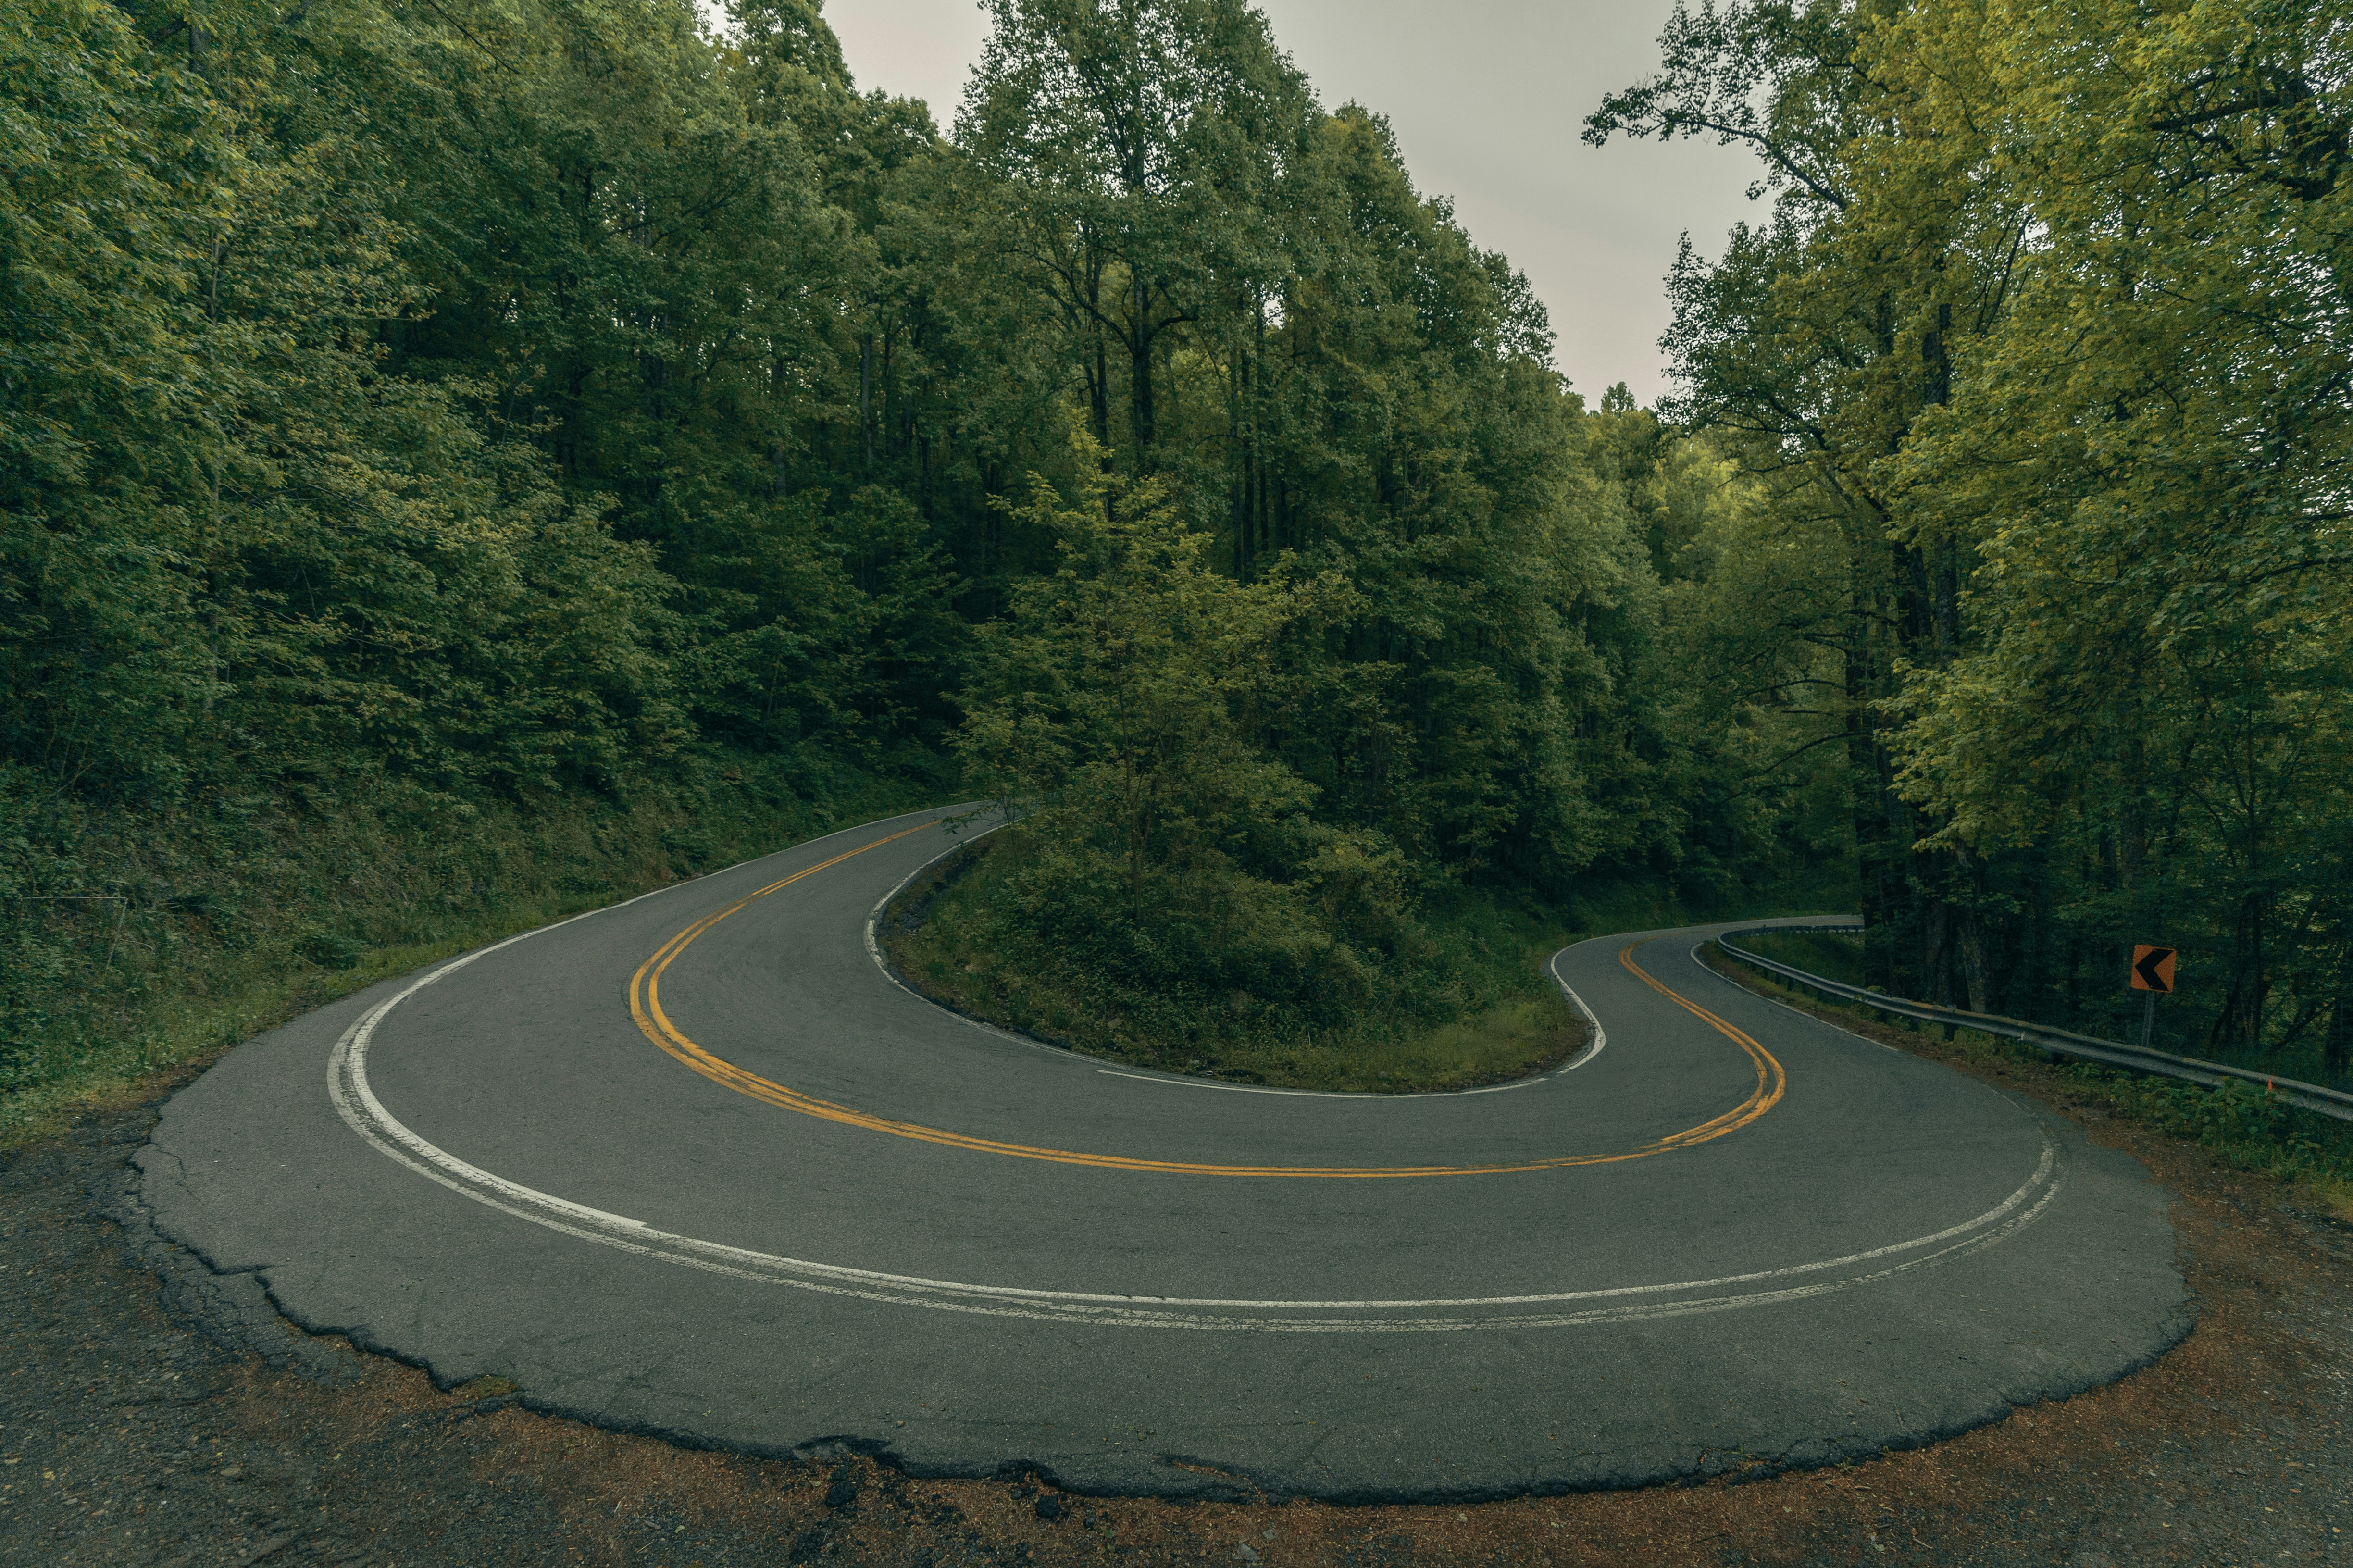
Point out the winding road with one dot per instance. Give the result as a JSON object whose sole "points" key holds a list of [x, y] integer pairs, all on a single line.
{"points": [[696, 1165]]}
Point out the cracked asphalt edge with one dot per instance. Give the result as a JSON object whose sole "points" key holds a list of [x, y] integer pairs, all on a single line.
{"points": [[234, 1309], [231, 1308]]}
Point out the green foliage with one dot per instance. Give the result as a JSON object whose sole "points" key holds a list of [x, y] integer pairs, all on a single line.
{"points": [[1253, 997], [1831, 956], [452, 422], [2246, 1126], [2172, 482], [158, 941], [2036, 371], [1169, 856]]}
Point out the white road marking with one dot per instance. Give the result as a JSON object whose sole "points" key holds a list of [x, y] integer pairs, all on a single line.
{"points": [[1600, 1035], [355, 1101], [1786, 1007], [1366, 1097]]}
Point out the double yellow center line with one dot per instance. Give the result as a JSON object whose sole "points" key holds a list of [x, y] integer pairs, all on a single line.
{"points": [[645, 1007]]}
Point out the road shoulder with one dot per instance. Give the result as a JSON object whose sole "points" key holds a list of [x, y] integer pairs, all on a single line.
{"points": [[151, 1420]]}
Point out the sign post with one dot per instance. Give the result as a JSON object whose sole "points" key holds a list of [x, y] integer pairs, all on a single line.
{"points": [[2152, 972]]}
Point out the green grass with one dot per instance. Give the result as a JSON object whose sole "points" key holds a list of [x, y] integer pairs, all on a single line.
{"points": [[1519, 1025], [1827, 953], [202, 930], [947, 938]]}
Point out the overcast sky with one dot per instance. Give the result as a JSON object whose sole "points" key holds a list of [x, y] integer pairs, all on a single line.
{"points": [[1487, 96]]}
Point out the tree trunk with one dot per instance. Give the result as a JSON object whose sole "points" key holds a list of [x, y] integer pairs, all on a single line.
{"points": [[1099, 392], [2240, 1025], [1139, 389], [2336, 1045], [1238, 472], [1139, 352], [866, 396], [1878, 910], [1976, 975], [1936, 946]]}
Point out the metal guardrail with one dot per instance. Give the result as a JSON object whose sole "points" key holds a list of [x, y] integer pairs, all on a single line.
{"points": [[2112, 1053]]}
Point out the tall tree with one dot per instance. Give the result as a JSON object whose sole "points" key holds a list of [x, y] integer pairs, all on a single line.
{"points": [[1820, 338], [1143, 141]]}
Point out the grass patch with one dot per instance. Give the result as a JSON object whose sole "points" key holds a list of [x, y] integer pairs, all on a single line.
{"points": [[137, 946], [946, 936], [1831, 954], [949, 935]]}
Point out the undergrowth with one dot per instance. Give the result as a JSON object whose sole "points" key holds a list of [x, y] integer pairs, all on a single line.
{"points": [[132, 943], [1464, 999], [1475, 1009], [1831, 954], [2243, 1126], [2248, 1128]]}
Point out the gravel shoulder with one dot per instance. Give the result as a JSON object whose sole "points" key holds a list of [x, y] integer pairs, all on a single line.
{"points": [[155, 1413]]}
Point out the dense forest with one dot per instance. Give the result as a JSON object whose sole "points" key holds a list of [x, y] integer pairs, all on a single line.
{"points": [[2041, 361], [462, 457]]}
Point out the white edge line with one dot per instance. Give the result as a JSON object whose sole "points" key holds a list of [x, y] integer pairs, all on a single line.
{"points": [[355, 1101], [1121, 1317], [1786, 1007], [1600, 1035], [875, 952], [873, 947], [1137, 1310], [1369, 1099]]}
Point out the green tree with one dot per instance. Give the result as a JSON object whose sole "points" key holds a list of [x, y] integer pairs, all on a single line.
{"points": [[2045, 329], [1818, 339], [1172, 861], [2149, 457], [1121, 700]]}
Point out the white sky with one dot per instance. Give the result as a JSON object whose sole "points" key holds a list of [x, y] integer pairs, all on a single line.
{"points": [[1487, 98]]}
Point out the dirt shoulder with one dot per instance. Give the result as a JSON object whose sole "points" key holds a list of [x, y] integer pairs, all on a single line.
{"points": [[152, 1413]]}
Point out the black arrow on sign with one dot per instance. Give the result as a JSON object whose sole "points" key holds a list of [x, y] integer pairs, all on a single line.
{"points": [[2148, 968]]}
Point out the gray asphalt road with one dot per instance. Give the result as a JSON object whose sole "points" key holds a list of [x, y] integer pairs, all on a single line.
{"points": [[723, 1180]]}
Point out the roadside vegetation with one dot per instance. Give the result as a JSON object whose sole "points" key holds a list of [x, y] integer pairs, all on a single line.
{"points": [[460, 461], [1440, 999], [204, 934], [2242, 1126], [2035, 355], [1826, 954], [1457, 996]]}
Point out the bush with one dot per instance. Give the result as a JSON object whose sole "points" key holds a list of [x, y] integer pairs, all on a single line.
{"points": [[1242, 978]]}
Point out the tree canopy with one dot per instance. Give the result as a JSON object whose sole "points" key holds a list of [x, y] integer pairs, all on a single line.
{"points": [[2041, 346], [516, 406]]}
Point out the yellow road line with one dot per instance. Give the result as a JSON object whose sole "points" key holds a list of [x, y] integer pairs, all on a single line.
{"points": [[1771, 1082], [645, 1007]]}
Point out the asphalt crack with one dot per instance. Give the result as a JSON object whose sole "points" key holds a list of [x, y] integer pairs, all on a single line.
{"points": [[158, 1411]]}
